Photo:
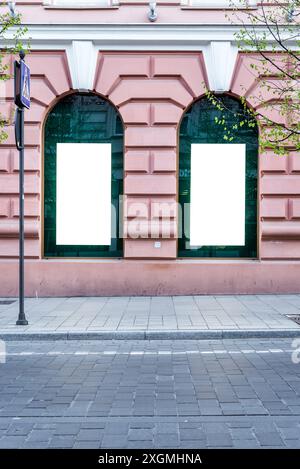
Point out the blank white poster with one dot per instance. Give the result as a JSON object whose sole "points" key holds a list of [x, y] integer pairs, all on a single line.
{"points": [[217, 211], [83, 194]]}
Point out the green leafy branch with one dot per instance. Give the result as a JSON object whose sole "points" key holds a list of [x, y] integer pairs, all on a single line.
{"points": [[9, 22], [272, 32]]}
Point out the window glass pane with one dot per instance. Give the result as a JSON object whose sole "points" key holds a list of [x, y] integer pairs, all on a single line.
{"points": [[217, 212], [217, 189], [83, 194], [88, 120]]}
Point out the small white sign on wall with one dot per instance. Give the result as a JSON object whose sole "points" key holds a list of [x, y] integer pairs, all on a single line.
{"points": [[217, 211], [83, 194]]}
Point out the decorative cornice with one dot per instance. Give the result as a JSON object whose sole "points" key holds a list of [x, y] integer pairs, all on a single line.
{"points": [[133, 36]]}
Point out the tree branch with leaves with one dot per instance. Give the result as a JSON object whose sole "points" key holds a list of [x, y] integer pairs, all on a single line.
{"points": [[270, 34], [10, 25]]}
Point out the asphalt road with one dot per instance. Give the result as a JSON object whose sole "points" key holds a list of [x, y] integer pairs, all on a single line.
{"points": [[150, 394]]}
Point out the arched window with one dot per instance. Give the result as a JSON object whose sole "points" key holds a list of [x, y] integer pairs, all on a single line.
{"points": [[83, 178], [217, 183]]}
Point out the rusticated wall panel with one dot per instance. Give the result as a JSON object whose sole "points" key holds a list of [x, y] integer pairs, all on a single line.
{"points": [[279, 177], [49, 78], [279, 206], [151, 91]]}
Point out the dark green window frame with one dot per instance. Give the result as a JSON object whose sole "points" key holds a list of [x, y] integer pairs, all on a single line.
{"points": [[199, 126], [82, 118]]}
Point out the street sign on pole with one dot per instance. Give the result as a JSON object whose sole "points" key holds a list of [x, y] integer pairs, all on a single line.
{"points": [[22, 100], [22, 83]]}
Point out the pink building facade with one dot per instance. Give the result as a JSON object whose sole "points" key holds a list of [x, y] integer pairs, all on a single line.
{"points": [[151, 74]]}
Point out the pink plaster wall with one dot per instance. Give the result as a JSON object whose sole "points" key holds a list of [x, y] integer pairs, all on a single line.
{"points": [[151, 91], [49, 79], [140, 277], [128, 11], [279, 182]]}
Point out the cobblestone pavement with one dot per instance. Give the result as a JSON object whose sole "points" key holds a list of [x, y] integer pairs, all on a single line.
{"points": [[240, 312], [150, 394]]}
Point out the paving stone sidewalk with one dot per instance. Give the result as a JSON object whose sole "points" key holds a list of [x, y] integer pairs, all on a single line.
{"points": [[154, 317]]}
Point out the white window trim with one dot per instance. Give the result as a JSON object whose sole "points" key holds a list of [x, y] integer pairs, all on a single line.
{"points": [[80, 4], [217, 4]]}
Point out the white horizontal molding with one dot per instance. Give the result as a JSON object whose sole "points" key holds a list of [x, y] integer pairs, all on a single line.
{"points": [[135, 36]]}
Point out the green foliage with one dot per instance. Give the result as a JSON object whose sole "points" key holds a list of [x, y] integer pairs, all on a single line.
{"points": [[272, 32], [9, 23], [244, 117]]}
